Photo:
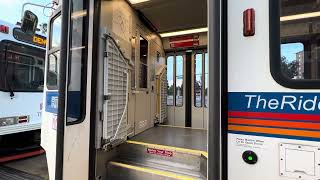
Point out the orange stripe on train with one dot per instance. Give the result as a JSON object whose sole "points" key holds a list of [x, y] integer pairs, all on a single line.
{"points": [[274, 123], [275, 131]]}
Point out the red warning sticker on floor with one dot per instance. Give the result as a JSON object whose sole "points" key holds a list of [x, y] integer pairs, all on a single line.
{"points": [[159, 152]]}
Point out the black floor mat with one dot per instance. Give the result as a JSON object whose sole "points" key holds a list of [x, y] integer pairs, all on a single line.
{"points": [[7, 173]]}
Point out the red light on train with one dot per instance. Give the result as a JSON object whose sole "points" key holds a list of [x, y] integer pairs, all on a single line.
{"points": [[4, 29], [249, 22]]}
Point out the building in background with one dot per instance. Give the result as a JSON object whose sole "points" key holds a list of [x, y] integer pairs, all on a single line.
{"points": [[300, 62]]}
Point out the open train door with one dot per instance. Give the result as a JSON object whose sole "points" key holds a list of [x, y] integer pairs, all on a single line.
{"points": [[273, 90], [66, 126]]}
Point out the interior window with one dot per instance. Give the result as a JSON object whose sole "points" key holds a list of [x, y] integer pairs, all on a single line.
{"points": [[133, 59], [143, 75], [170, 72], [198, 67], [179, 81]]}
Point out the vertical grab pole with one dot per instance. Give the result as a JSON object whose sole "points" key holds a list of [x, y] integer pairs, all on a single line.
{"points": [[215, 90]]}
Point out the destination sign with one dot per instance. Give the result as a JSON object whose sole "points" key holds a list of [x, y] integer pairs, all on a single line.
{"points": [[36, 39]]}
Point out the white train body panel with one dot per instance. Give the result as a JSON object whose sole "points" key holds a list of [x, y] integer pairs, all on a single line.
{"points": [[23, 104], [282, 151]]}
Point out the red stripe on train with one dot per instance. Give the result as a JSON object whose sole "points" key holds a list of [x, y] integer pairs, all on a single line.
{"points": [[21, 156], [280, 116]]}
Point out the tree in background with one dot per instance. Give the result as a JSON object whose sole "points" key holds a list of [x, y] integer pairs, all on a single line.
{"points": [[290, 69], [44, 28]]}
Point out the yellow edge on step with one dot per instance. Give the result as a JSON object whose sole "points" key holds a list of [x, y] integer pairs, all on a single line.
{"points": [[171, 148], [152, 171]]}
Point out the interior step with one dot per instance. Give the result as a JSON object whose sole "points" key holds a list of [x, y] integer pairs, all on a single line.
{"points": [[119, 170], [139, 160]]}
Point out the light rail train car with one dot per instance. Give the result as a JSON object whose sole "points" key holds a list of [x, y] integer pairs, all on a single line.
{"points": [[150, 93], [182, 89], [21, 87]]}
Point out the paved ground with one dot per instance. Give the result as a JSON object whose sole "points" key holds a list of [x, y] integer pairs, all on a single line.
{"points": [[35, 166]]}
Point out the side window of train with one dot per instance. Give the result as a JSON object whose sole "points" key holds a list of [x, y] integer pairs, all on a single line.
{"points": [[297, 63], [133, 59], [54, 54], [143, 68]]}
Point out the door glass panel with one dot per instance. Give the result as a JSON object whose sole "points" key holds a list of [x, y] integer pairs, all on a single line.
{"points": [[53, 70], [206, 79], [54, 57], [179, 80], [56, 33], [170, 90], [77, 62], [198, 80]]}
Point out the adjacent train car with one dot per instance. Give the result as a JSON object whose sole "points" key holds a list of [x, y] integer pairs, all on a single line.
{"points": [[21, 86]]}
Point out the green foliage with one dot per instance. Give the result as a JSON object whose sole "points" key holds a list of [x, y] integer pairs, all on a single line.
{"points": [[289, 69]]}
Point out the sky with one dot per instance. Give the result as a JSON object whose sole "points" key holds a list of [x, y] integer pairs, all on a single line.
{"points": [[11, 10], [290, 50], [179, 70]]}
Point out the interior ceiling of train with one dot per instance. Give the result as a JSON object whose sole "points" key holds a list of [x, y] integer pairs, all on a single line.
{"points": [[293, 6], [173, 15]]}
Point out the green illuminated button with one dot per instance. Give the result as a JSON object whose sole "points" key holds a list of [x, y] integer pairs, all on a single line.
{"points": [[250, 157]]}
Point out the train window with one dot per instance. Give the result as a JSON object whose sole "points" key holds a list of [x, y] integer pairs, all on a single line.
{"points": [[53, 67], [198, 68], [179, 80], [170, 72], [76, 90], [54, 54], [143, 74], [133, 59], [20, 72], [296, 64], [56, 33], [206, 79], [21, 67]]}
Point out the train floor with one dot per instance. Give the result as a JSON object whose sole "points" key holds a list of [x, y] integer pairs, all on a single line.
{"points": [[173, 136], [32, 168]]}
